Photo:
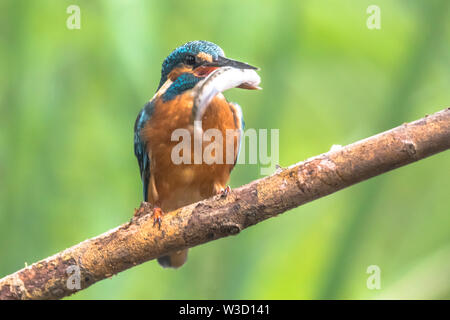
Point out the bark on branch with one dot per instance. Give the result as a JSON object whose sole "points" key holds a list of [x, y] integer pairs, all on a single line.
{"points": [[138, 240]]}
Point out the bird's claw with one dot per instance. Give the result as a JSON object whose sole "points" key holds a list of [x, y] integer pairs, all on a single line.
{"points": [[225, 192], [157, 216]]}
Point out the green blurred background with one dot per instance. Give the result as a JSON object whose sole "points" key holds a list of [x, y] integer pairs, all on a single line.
{"points": [[69, 98]]}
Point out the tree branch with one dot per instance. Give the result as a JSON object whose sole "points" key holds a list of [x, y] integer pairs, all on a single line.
{"points": [[138, 241]]}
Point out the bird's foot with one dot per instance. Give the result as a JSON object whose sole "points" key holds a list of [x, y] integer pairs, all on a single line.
{"points": [[157, 216], [224, 192], [156, 212]]}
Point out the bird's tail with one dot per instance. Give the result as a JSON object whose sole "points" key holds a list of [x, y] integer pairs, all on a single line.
{"points": [[174, 260]]}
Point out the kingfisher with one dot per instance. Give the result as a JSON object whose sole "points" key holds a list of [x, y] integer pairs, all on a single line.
{"points": [[193, 78]]}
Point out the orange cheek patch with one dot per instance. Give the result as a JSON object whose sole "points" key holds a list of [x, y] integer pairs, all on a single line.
{"points": [[175, 73], [204, 71]]}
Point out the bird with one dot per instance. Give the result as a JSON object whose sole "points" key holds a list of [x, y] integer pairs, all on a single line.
{"points": [[167, 185]]}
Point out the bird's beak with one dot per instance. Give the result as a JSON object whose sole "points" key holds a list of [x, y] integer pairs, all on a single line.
{"points": [[225, 62]]}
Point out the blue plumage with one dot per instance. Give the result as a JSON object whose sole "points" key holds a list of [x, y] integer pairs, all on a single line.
{"points": [[184, 82], [140, 148], [191, 48]]}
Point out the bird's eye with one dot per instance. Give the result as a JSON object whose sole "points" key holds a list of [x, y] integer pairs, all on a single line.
{"points": [[190, 60]]}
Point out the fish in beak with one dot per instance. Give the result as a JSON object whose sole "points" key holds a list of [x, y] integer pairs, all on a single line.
{"points": [[222, 62], [225, 62], [221, 79]]}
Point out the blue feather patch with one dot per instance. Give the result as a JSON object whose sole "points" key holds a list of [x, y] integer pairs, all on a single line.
{"points": [[140, 147], [184, 82]]}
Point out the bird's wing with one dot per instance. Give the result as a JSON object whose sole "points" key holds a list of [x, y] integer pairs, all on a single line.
{"points": [[140, 146]]}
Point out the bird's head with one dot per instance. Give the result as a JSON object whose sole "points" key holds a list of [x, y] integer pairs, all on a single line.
{"points": [[199, 58]]}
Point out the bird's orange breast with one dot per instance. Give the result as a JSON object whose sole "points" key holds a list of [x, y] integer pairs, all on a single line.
{"points": [[175, 185]]}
